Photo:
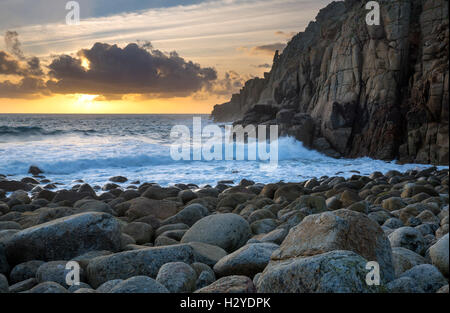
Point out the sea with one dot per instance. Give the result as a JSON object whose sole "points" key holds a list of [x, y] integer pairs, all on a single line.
{"points": [[94, 148]]}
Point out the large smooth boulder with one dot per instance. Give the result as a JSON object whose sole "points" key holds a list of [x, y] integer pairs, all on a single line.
{"points": [[439, 255], [65, 238], [177, 277], [230, 284], [127, 264], [228, 231], [331, 272], [409, 238], [339, 230], [139, 284], [248, 260], [427, 277]]}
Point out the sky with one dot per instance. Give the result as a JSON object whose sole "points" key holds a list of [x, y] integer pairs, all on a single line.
{"points": [[139, 56]]}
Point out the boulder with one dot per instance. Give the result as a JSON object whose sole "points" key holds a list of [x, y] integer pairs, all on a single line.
{"points": [[427, 277], [161, 209], [140, 232], [139, 284], [404, 285], [404, 259], [409, 238], [108, 286], [127, 264], [65, 238], [55, 271], [228, 231], [439, 254], [189, 215], [4, 286], [230, 284], [24, 271], [331, 272], [248, 260], [339, 230], [177, 277], [48, 287], [206, 253]]}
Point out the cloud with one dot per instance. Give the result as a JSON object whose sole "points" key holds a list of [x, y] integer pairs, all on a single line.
{"points": [[231, 83], [27, 87], [13, 44], [287, 35], [131, 70], [265, 65], [9, 65], [268, 49]]}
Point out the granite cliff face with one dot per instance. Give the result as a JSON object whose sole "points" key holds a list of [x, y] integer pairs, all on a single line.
{"points": [[350, 89]]}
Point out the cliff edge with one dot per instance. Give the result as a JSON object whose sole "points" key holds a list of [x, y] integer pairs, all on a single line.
{"points": [[349, 89]]}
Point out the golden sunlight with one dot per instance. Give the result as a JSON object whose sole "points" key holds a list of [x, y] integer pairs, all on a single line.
{"points": [[86, 102], [85, 63]]}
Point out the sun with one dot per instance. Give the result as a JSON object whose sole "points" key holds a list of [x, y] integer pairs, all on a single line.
{"points": [[85, 102], [85, 63]]}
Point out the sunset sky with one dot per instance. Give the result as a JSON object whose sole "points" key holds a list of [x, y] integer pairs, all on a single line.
{"points": [[139, 56]]}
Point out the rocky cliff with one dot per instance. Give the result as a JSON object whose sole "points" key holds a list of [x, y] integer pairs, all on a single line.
{"points": [[350, 89]]}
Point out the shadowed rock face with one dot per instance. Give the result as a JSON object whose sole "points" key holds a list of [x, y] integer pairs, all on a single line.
{"points": [[378, 91]]}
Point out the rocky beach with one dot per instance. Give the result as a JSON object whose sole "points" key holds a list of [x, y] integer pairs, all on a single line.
{"points": [[313, 236]]}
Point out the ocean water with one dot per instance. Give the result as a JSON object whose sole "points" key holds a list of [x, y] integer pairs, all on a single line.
{"points": [[96, 147]]}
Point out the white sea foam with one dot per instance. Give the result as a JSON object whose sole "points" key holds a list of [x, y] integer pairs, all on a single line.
{"points": [[96, 148]]}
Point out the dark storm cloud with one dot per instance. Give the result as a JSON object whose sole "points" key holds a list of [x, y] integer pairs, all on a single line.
{"points": [[8, 65], [131, 70]]}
